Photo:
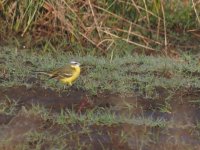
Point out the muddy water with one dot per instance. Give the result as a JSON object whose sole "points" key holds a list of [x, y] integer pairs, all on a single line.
{"points": [[181, 133]]}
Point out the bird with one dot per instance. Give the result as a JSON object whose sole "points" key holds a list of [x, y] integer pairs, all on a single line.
{"points": [[66, 74]]}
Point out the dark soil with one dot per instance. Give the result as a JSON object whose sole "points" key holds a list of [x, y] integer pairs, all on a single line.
{"points": [[183, 134]]}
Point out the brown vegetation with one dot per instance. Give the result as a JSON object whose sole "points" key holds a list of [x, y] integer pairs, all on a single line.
{"points": [[150, 25]]}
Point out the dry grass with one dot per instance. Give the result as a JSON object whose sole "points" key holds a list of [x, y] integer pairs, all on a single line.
{"points": [[99, 24]]}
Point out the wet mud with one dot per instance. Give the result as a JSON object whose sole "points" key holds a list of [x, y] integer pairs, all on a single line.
{"points": [[182, 133]]}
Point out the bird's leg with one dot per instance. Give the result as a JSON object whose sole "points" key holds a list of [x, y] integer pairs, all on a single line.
{"points": [[64, 87], [56, 83], [67, 84]]}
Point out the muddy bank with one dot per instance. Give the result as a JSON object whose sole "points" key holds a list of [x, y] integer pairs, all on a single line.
{"points": [[16, 128], [23, 129], [183, 105]]}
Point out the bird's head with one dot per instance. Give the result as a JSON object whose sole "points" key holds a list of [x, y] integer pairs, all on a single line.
{"points": [[74, 64]]}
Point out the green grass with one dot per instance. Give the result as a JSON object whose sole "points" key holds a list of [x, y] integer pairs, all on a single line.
{"points": [[143, 77], [109, 43], [70, 129], [125, 74], [73, 128], [96, 116], [8, 106]]}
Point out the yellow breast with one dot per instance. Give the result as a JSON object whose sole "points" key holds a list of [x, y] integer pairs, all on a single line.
{"points": [[75, 75]]}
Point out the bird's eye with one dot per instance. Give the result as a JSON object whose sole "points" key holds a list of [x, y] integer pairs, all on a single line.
{"points": [[75, 63]]}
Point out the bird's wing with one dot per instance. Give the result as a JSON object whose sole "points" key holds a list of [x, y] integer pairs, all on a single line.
{"points": [[65, 71]]}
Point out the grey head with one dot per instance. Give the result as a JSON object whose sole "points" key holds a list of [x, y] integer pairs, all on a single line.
{"points": [[75, 63]]}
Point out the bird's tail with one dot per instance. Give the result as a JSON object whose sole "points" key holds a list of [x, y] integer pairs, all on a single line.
{"points": [[43, 72]]}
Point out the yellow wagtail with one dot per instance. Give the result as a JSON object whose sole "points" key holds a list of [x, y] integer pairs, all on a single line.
{"points": [[66, 74]]}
